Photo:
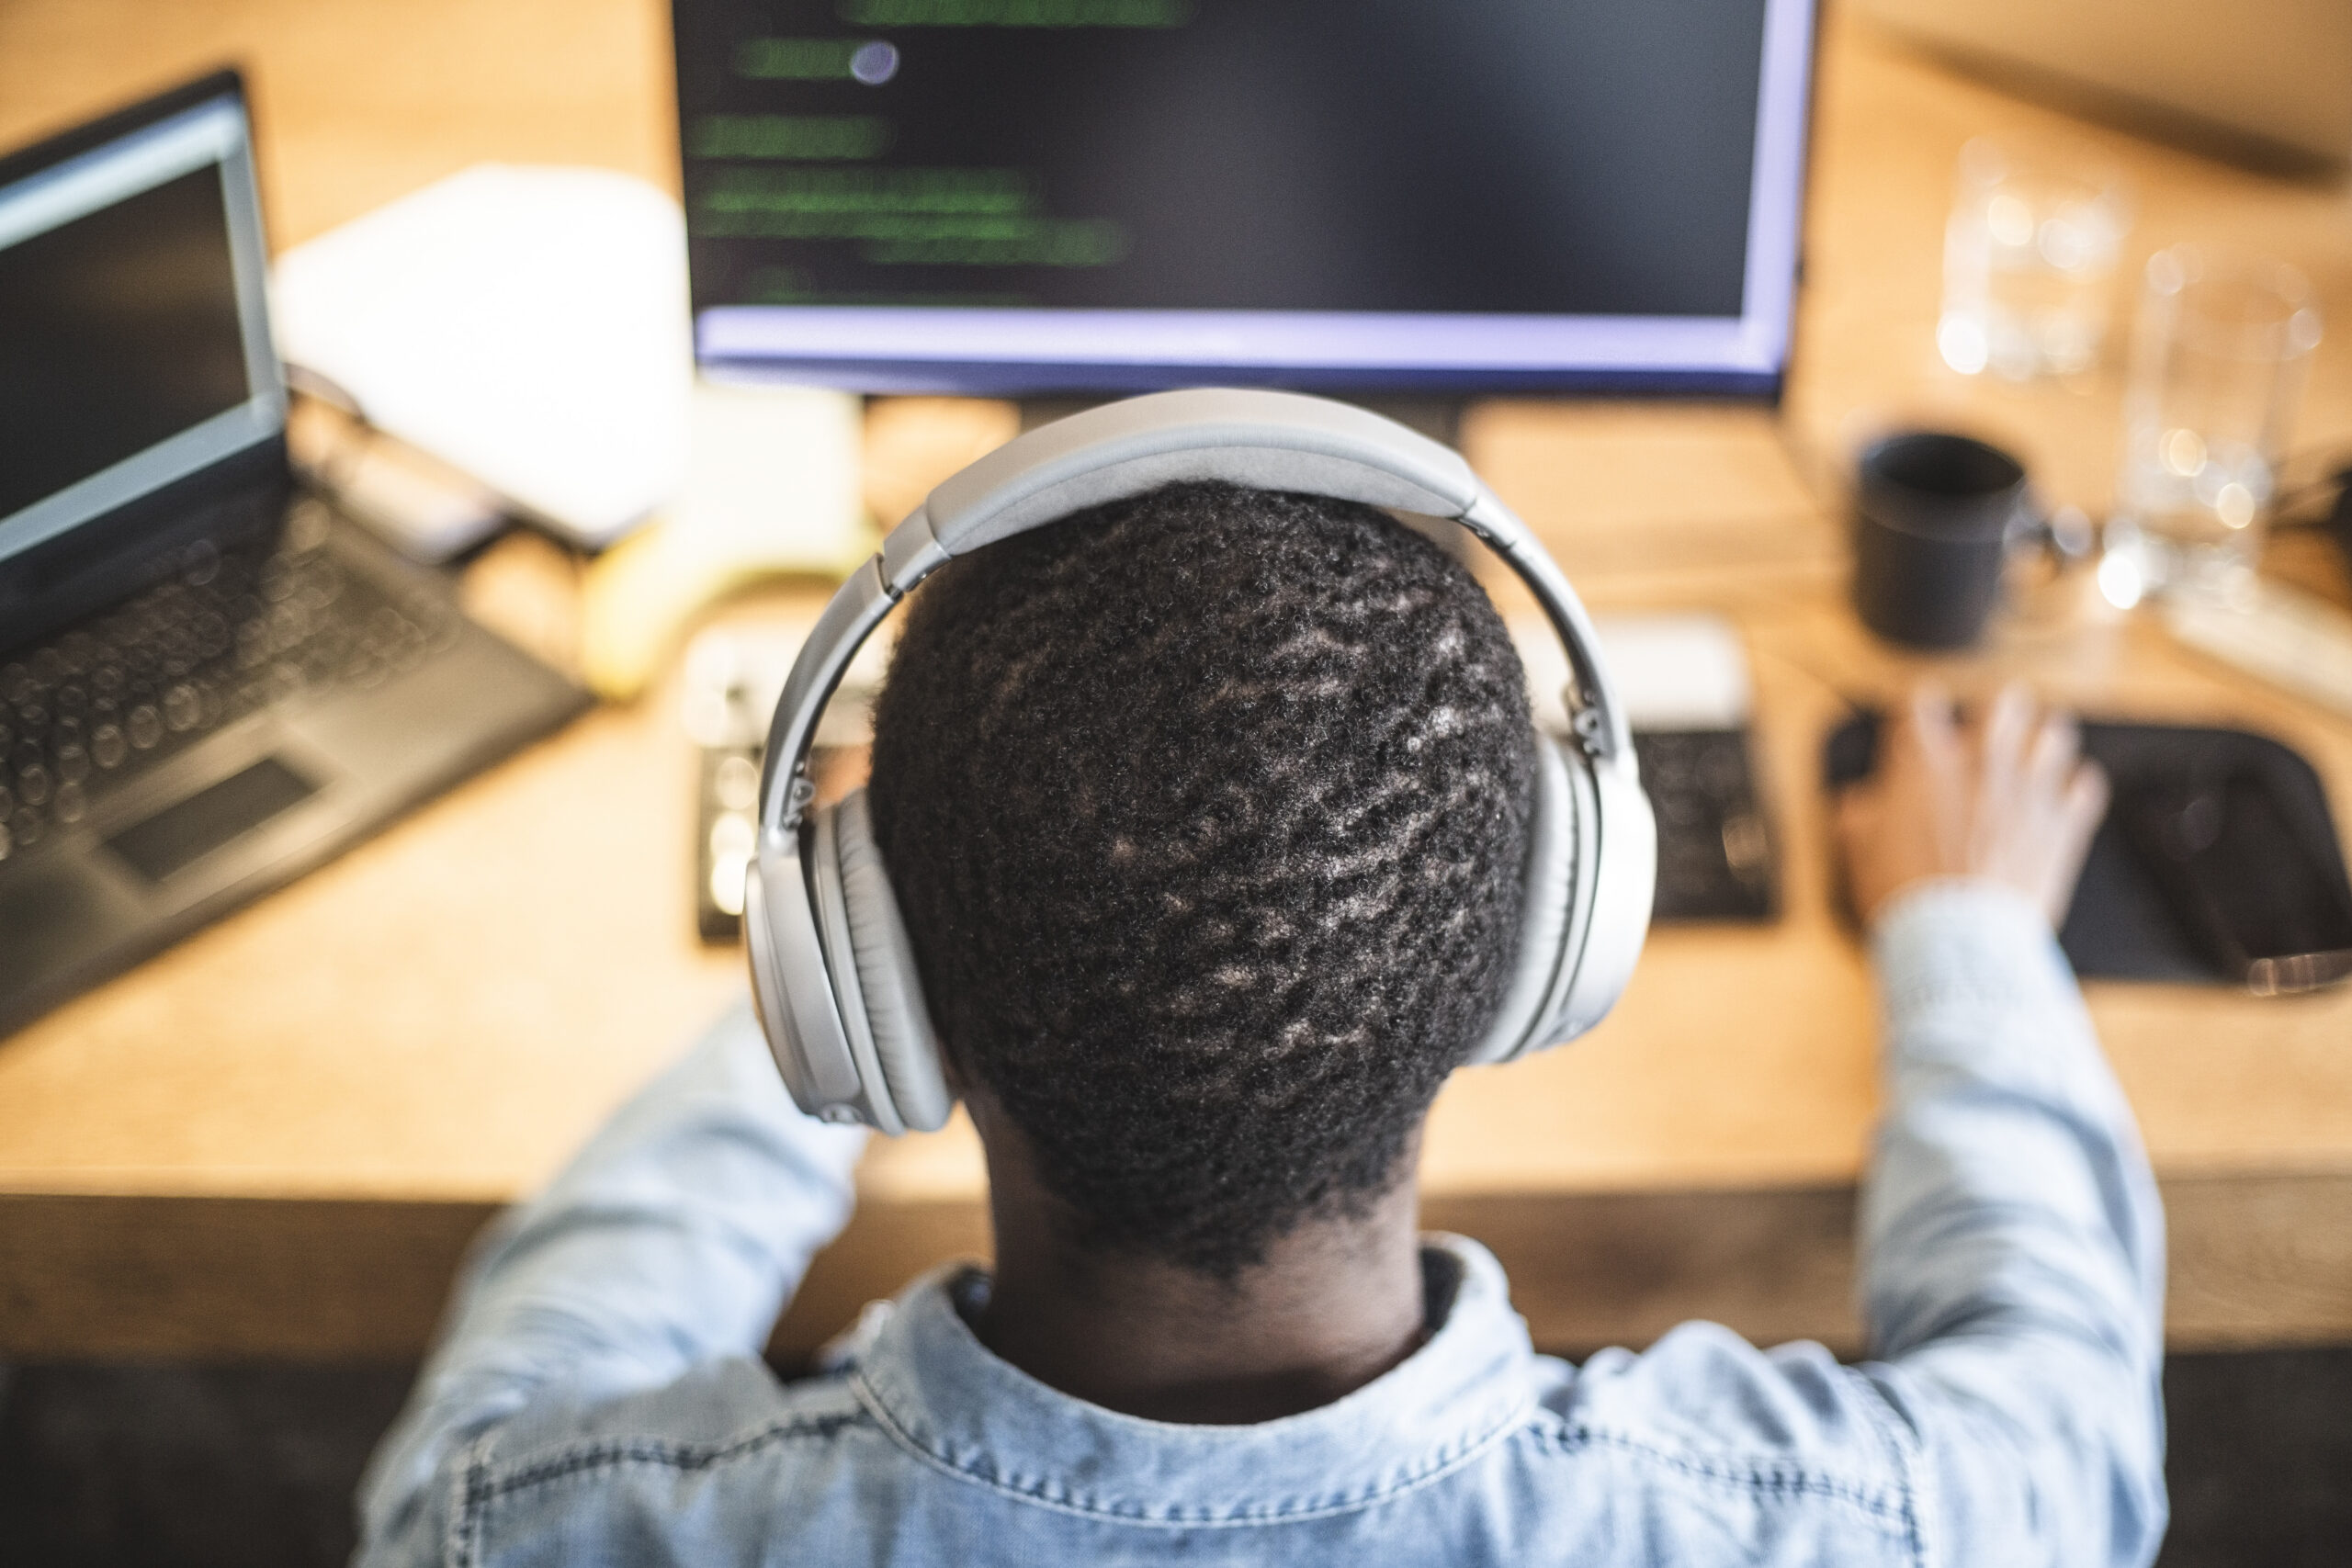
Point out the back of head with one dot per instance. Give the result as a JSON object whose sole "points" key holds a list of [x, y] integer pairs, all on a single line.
{"points": [[1207, 811]]}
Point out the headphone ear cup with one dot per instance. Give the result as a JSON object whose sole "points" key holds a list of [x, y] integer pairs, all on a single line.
{"points": [[905, 1044], [870, 1096], [1619, 891], [1547, 904], [792, 990]]}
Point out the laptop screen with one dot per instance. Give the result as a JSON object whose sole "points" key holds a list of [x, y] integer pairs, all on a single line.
{"points": [[134, 342]]}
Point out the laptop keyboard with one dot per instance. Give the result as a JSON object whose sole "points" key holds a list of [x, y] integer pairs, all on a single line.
{"points": [[235, 631], [1714, 854]]}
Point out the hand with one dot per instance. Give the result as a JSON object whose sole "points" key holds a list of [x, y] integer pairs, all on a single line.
{"points": [[2005, 798]]}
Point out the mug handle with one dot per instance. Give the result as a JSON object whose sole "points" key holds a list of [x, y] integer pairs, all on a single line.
{"points": [[2066, 534]]}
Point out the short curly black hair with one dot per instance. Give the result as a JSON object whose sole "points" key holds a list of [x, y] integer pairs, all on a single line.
{"points": [[1208, 812]]}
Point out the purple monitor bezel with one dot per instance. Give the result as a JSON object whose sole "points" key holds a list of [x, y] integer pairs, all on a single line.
{"points": [[1017, 351]]}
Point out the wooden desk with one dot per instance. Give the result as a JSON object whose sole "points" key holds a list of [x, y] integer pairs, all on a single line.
{"points": [[274, 1140]]}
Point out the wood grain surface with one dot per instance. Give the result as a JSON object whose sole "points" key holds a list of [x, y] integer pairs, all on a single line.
{"points": [[274, 1139]]}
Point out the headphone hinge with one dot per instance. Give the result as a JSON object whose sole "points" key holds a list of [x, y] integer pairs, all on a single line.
{"points": [[1591, 733], [798, 795]]}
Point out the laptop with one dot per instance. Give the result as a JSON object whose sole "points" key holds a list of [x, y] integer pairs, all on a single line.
{"points": [[211, 680]]}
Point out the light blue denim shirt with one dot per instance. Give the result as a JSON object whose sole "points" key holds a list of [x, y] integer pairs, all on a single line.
{"points": [[597, 1397]]}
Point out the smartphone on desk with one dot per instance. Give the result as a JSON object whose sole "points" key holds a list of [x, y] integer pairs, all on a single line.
{"points": [[2243, 883]]}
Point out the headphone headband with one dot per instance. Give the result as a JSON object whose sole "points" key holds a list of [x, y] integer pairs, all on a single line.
{"points": [[834, 974], [1266, 440]]}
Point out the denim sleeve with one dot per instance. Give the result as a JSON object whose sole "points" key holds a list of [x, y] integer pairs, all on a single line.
{"points": [[672, 1240], [2012, 1269]]}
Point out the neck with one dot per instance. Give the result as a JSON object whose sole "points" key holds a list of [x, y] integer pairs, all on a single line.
{"points": [[1335, 1304]]}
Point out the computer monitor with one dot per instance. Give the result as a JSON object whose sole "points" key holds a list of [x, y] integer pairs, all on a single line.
{"points": [[1019, 196]]}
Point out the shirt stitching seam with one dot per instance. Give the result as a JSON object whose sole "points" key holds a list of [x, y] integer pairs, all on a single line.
{"points": [[1879, 1412], [481, 1488], [1516, 1420], [1796, 1479], [462, 1531]]}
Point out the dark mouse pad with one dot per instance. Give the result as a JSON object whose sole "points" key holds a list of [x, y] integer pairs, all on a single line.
{"points": [[2120, 925]]}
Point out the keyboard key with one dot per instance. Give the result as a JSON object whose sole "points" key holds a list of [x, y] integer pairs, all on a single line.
{"points": [[306, 527], [322, 583], [83, 652], [181, 709], [288, 625]]}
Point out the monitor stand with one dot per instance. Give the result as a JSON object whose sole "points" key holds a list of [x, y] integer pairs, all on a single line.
{"points": [[1440, 419]]}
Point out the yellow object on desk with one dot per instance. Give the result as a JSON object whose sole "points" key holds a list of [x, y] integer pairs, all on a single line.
{"points": [[773, 490]]}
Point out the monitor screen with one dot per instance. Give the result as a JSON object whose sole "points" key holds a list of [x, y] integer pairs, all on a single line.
{"points": [[133, 345], [1032, 195]]}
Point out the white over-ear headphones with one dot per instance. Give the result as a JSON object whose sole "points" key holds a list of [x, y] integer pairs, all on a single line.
{"points": [[834, 975]]}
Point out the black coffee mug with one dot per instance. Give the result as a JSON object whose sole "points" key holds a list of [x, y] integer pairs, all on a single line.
{"points": [[1935, 517]]}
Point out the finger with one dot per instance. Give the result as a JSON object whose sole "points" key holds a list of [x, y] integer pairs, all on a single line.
{"points": [[1994, 738], [2087, 794], [2051, 761], [2002, 739], [1927, 716], [2000, 754], [1926, 739], [2081, 808], [1935, 772]]}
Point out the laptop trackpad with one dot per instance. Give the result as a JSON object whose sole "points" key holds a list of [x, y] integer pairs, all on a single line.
{"points": [[189, 829]]}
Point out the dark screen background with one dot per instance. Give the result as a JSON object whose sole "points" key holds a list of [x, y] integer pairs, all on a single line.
{"points": [[1544, 156], [117, 330]]}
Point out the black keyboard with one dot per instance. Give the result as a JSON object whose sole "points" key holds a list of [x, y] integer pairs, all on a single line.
{"points": [[1715, 852], [234, 630]]}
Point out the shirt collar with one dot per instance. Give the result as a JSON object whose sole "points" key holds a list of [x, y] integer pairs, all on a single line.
{"points": [[946, 1397]]}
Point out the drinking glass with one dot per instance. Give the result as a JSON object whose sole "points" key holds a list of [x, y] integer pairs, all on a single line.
{"points": [[2221, 350], [2029, 257]]}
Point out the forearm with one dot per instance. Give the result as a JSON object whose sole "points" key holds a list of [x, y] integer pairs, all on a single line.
{"points": [[673, 1238], [2013, 1242]]}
